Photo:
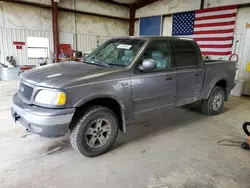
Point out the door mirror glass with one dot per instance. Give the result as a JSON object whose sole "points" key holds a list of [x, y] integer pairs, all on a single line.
{"points": [[148, 65]]}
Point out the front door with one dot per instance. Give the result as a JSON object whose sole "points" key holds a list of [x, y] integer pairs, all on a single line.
{"points": [[156, 89]]}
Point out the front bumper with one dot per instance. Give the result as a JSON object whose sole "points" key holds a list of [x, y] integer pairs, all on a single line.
{"points": [[42, 121]]}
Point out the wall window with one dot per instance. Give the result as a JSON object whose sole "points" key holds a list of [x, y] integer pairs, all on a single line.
{"points": [[38, 47], [184, 53]]}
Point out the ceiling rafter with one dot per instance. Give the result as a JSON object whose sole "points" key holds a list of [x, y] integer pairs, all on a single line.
{"points": [[114, 3], [136, 5], [142, 3]]}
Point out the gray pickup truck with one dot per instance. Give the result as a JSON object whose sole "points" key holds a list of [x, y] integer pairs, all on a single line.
{"points": [[123, 78]]}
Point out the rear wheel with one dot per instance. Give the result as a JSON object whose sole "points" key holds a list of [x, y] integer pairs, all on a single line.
{"points": [[215, 103], [95, 132]]}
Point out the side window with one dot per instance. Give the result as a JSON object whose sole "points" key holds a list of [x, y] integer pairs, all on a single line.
{"points": [[184, 53], [160, 51]]}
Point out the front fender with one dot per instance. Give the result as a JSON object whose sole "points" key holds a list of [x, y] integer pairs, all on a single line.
{"points": [[124, 114]]}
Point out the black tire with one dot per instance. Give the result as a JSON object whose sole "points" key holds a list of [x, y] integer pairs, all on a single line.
{"points": [[207, 104], [78, 135]]}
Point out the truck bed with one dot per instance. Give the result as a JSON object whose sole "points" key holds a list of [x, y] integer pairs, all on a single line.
{"points": [[218, 70]]}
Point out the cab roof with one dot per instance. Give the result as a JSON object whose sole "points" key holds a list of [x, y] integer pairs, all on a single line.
{"points": [[155, 38]]}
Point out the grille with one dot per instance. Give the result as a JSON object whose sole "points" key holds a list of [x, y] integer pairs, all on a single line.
{"points": [[25, 91]]}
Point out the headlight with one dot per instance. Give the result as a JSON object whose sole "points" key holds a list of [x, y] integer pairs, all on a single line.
{"points": [[51, 97]]}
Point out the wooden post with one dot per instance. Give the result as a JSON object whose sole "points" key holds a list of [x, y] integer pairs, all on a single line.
{"points": [[55, 29], [132, 21]]}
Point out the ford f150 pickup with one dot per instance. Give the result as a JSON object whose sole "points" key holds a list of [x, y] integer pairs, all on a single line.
{"points": [[123, 78]]}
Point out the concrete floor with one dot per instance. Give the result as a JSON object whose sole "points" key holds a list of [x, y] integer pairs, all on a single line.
{"points": [[177, 148]]}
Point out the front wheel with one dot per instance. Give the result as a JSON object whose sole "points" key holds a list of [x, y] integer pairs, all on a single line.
{"points": [[95, 132], [215, 103]]}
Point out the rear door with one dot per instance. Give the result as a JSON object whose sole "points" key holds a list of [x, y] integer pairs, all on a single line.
{"points": [[156, 89], [189, 70]]}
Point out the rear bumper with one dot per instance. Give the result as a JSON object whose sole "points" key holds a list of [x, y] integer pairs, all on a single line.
{"points": [[42, 121]]}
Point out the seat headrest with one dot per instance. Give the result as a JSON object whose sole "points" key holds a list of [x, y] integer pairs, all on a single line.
{"points": [[157, 55], [128, 53]]}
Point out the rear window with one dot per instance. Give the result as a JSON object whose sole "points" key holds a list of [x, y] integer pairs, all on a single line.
{"points": [[184, 53]]}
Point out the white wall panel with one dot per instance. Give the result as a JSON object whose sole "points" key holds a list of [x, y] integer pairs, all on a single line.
{"points": [[67, 4], [103, 39], [243, 17], [66, 22], [67, 38], [1, 47], [167, 7], [137, 28], [102, 8], [46, 16], [96, 7], [93, 25], [217, 3], [107, 27], [8, 36], [86, 24], [167, 26], [19, 16], [87, 43], [1, 15], [122, 28]]}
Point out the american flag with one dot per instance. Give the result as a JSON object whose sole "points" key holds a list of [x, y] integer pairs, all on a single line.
{"points": [[212, 28]]}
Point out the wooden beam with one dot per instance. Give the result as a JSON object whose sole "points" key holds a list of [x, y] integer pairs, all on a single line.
{"points": [[92, 14], [55, 29], [142, 3], [202, 4], [28, 3], [245, 5], [132, 22], [114, 2]]}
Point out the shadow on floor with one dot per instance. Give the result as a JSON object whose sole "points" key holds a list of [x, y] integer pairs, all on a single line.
{"points": [[152, 124], [159, 123]]}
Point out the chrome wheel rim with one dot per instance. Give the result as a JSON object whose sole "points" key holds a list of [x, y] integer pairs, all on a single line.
{"points": [[98, 133], [217, 101]]}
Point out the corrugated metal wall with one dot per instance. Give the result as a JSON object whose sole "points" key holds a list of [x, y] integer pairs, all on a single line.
{"points": [[85, 43], [8, 36]]}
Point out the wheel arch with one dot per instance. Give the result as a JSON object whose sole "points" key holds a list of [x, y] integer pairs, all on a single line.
{"points": [[221, 82], [107, 100]]}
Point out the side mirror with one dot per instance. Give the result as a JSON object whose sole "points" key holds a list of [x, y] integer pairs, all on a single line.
{"points": [[148, 65]]}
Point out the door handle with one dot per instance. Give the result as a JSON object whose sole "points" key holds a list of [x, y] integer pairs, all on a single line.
{"points": [[168, 78], [197, 74], [125, 84]]}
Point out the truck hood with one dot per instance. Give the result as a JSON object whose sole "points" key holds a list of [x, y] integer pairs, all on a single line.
{"points": [[61, 73]]}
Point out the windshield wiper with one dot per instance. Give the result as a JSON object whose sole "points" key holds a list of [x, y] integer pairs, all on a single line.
{"points": [[97, 62], [101, 62]]}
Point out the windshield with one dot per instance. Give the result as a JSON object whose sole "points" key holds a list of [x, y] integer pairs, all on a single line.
{"points": [[118, 52]]}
